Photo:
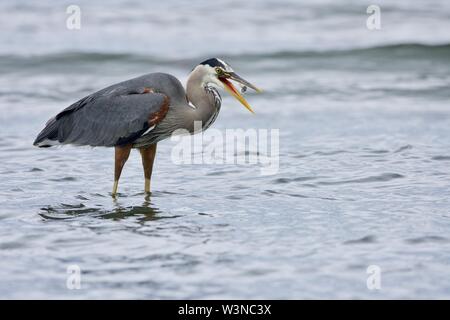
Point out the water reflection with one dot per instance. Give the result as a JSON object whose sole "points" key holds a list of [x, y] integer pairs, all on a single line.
{"points": [[146, 211]]}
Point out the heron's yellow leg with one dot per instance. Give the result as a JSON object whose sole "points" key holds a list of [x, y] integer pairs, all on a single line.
{"points": [[148, 157], [121, 156]]}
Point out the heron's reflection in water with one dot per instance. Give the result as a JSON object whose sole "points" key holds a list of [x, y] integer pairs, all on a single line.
{"points": [[146, 211]]}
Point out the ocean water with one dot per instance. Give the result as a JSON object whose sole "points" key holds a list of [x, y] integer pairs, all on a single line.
{"points": [[363, 177]]}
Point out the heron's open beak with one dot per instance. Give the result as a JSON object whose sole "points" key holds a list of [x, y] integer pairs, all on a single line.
{"points": [[234, 92]]}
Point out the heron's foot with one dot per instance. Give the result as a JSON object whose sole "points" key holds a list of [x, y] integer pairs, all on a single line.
{"points": [[147, 186], [114, 190]]}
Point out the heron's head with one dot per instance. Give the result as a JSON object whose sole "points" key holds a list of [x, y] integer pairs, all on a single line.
{"points": [[218, 72]]}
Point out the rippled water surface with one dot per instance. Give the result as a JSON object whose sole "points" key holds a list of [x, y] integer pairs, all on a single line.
{"points": [[363, 178]]}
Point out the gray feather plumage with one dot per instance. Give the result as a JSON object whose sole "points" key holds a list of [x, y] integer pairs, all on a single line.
{"points": [[115, 115], [120, 114]]}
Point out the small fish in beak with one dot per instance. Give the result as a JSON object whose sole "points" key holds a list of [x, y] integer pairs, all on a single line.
{"points": [[235, 93]]}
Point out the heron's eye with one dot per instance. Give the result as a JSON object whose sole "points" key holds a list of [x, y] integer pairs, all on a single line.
{"points": [[219, 71]]}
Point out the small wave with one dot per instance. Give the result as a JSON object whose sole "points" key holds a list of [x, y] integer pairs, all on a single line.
{"points": [[296, 179], [64, 179], [222, 172], [330, 153], [378, 151], [380, 178], [441, 158], [401, 51], [363, 240], [69, 59], [426, 239], [234, 197], [404, 148]]}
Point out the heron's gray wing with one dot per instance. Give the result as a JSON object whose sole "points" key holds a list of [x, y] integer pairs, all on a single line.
{"points": [[116, 116]]}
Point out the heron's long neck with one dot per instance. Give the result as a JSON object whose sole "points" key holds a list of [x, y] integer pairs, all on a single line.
{"points": [[204, 100]]}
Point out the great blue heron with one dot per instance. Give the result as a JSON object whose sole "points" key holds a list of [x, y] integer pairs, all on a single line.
{"points": [[140, 112]]}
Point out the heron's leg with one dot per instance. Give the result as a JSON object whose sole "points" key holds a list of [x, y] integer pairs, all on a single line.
{"points": [[148, 157], [121, 156]]}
